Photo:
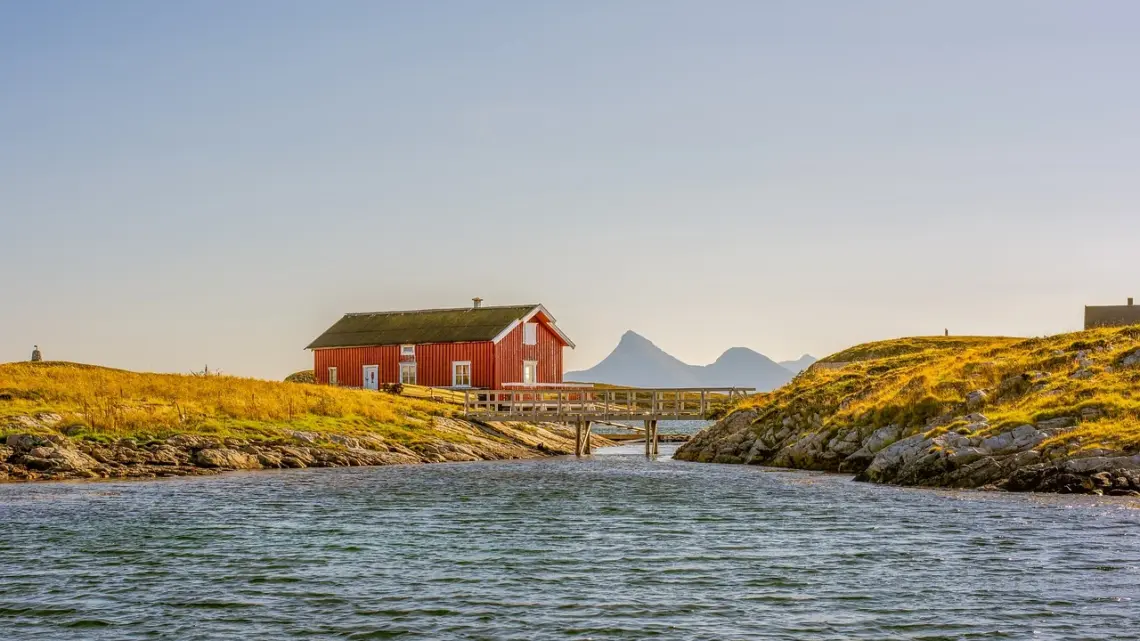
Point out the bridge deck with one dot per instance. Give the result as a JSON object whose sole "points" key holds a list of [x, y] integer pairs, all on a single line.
{"points": [[594, 404]]}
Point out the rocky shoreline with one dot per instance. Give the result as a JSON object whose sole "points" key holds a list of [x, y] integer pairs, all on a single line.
{"points": [[1010, 460], [46, 456]]}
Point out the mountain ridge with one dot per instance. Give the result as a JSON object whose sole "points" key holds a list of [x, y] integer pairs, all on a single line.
{"points": [[800, 364], [638, 362]]}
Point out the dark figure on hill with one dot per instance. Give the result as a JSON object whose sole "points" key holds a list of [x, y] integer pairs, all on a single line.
{"points": [[947, 332], [36, 355]]}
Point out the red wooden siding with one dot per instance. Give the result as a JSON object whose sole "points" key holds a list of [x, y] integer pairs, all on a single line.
{"points": [[510, 354], [350, 361], [433, 363]]}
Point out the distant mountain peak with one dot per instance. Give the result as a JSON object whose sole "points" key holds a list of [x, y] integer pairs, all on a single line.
{"points": [[736, 353], [631, 336], [631, 341], [638, 362], [800, 364]]}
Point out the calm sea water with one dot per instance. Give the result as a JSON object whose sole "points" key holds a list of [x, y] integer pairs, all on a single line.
{"points": [[664, 427], [610, 548]]}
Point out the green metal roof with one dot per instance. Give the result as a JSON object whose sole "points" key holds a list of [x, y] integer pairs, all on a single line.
{"points": [[422, 326]]}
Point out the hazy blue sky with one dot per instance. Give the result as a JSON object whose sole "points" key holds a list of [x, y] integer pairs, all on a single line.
{"points": [[184, 183]]}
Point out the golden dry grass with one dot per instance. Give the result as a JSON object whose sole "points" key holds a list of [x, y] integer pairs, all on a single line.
{"points": [[99, 401], [909, 381], [412, 391], [436, 394]]}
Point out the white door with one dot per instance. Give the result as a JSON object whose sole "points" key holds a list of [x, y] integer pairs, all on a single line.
{"points": [[372, 377]]}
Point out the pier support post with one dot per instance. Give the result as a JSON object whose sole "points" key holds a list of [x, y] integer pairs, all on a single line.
{"points": [[650, 438], [582, 438], [648, 425]]}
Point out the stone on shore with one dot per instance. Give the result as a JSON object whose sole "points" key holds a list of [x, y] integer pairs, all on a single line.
{"points": [[226, 458]]}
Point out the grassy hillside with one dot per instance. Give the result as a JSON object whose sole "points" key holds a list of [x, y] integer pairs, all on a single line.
{"points": [[65, 420], [1079, 395], [911, 381], [106, 403]]}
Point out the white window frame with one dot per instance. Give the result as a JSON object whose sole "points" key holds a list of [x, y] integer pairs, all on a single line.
{"points": [[534, 372], [405, 366], [333, 381], [407, 350], [530, 333], [455, 365]]}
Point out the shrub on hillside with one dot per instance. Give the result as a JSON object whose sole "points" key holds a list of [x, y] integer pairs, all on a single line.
{"points": [[303, 376]]}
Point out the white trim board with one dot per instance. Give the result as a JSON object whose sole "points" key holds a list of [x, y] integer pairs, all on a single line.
{"points": [[553, 325]]}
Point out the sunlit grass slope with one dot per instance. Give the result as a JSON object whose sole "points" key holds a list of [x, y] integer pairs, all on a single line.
{"points": [[99, 402], [1092, 375]]}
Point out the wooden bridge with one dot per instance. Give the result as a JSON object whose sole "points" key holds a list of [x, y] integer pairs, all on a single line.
{"points": [[583, 406]]}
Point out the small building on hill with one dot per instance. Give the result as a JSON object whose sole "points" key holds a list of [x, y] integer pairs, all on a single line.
{"points": [[468, 347], [1111, 315]]}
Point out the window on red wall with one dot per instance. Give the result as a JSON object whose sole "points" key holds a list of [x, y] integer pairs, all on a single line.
{"points": [[461, 374], [408, 373], [530, 334]]}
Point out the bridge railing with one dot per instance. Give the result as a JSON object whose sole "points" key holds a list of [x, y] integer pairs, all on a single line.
{"points": [[598, 404]]}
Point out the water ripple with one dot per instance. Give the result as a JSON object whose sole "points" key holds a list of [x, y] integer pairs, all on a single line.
{"points": [[610, 548]]}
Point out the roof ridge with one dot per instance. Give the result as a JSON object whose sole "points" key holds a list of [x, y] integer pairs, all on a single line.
{"points": [[440, 309], [451, 325]]}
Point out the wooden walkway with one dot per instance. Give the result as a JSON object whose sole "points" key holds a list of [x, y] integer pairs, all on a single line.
{"points": [[589, 404], [584, 406]]}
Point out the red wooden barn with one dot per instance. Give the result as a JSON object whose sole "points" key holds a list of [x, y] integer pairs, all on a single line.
{"points": [[477, 347]]}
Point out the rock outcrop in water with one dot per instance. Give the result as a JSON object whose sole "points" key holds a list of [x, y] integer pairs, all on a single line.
{"points": [[1059, 414], [52, 456]]}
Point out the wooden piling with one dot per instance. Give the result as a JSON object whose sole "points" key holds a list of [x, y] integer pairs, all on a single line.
{"points": [[651, 438]]}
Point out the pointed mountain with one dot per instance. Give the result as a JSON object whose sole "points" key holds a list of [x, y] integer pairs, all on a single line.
{"points": [[637, 362], [800, 364]]}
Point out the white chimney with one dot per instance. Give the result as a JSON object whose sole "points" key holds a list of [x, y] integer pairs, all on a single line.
{"points": [[478, 302]]}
